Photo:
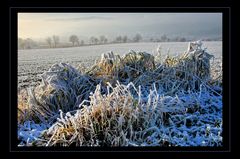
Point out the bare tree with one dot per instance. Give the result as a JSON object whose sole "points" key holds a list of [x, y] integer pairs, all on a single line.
{"points": [[94, 40], [74, 39], [119, 39], [82, 42], [151, 40], [103, 39], [49, 41], [29, 43], [21, 43], [182, 39], [125, 38], [56, 40], [164, 38], [137, 38]]}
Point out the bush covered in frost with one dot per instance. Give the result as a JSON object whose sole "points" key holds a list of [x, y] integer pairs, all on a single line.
{"points": [[132, 100]]}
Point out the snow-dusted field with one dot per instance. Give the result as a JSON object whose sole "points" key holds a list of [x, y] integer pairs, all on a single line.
{"points": [[32, 63], [190, 115]]}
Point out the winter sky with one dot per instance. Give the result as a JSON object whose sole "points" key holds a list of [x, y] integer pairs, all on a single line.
{"points": [[42, 25]]}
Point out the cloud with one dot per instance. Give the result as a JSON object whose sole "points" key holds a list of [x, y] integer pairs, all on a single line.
{"points": [[87, 24], [81, 18]]}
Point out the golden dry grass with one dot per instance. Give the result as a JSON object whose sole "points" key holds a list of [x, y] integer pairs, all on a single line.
{"points": [[115, 114]]}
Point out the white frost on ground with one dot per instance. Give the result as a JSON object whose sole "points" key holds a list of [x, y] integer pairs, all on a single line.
{"points": [[199, 127], [33, 62], [29, 132]]}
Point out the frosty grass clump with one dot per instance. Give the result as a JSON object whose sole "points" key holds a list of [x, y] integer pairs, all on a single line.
{"points": [[134, 100]]}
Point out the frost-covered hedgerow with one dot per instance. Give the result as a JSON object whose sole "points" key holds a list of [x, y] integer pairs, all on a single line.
{"points": [[132, 100]]}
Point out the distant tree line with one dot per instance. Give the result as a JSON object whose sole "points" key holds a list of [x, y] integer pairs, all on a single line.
{"points": [[73, 41], [53, 41], [93, 40], [164, 38], [27, 43]]}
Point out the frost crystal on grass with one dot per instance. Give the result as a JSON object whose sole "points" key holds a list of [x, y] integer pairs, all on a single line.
{"points": [[133, 100]]}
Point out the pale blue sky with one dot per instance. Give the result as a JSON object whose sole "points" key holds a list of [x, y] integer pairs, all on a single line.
{"points": [[41, 25]]}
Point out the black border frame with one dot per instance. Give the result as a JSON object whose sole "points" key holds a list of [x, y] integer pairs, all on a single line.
{"points": [[226, 78]]}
